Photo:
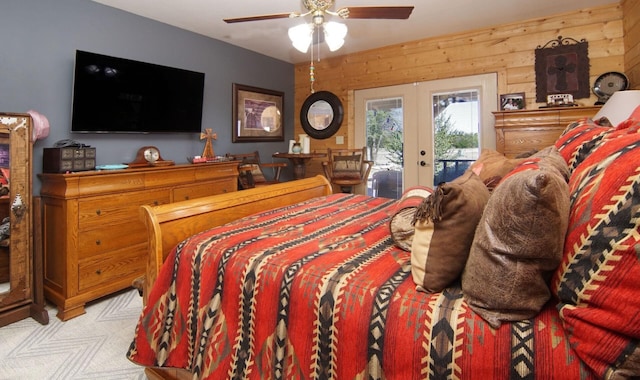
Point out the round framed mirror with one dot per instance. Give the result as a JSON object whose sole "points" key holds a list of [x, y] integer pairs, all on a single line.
{"points": [[321, 115]]}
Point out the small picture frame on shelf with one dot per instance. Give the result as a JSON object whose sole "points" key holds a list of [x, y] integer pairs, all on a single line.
{"points": [[511, 102]]}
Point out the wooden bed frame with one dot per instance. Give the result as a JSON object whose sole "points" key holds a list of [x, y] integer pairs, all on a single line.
{"points": [[169, 224]]}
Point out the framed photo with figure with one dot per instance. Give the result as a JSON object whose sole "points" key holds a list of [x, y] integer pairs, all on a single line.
{"points": [[511, 102], [257, 114]]}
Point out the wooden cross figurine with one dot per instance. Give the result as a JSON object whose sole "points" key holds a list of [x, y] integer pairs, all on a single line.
{"points": [[208, 147]]}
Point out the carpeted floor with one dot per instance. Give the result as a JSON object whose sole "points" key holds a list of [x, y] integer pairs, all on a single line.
{"points": [[91, 346]]}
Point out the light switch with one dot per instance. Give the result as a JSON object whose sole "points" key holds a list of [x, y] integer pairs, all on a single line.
{"points": [[339, 140]]}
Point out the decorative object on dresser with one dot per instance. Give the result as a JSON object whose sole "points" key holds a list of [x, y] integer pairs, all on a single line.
{"points": [[149, 156], [20, 256], [510, 102], [68, 159], [207, 152], [94, 241], [562, 67], [519, 132], [607, 84]]}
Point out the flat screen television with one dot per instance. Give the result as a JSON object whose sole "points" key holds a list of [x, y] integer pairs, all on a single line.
{"points": [[117, 95]]}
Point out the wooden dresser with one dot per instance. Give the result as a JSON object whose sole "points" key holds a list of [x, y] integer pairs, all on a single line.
{"points": [[521, 131], [94, 242]]}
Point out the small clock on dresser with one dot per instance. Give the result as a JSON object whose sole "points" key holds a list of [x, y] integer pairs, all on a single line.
{"points": [[149, 156]]}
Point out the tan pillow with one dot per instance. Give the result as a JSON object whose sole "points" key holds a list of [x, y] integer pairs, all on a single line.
{"points": [[400, 224], [518, 244], [494, 166], [445, 224]]}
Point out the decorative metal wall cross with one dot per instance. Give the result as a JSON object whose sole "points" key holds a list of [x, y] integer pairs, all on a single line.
{"points": [[562, 67]]}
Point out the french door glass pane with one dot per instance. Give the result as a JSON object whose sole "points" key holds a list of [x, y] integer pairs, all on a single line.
{"points": [[456, 146], [384, 124]]}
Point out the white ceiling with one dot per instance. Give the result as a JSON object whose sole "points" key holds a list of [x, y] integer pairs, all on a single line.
{"points": [[269, 37]]}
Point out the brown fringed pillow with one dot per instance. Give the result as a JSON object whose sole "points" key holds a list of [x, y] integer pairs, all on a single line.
{"points": [[445, 224], [400, 224], [519, 241]]}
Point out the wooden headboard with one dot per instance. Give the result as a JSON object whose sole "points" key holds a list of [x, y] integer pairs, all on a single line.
{"points": [[169, 224]]}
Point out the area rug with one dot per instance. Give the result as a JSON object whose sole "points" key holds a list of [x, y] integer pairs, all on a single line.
{"points": [[91, 346]]}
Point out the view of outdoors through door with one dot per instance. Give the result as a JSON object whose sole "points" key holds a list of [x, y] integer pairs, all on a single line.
{"points": [[384, 137], [455, 136], [456, 144], [424, 133]]}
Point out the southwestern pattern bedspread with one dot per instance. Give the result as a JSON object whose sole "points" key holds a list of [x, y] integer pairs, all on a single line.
{"points": [[318, 290]]}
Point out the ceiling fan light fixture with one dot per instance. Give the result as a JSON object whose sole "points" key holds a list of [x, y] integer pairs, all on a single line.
{"points": [[301, 36], [334, 34]]}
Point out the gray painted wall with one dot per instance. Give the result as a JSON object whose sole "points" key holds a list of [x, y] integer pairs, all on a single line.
{"points": [[38, 40]]}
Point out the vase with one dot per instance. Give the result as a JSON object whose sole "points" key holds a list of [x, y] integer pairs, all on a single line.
{"points": [[297, 148]]}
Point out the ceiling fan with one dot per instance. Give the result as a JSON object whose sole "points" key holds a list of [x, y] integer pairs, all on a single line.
{"points": [[318, 8]]}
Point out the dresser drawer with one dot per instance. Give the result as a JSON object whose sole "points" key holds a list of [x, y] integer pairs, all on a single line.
{"points": [[517, 141], [204, 189], [112, 266], [100, 212], [100, 240]]}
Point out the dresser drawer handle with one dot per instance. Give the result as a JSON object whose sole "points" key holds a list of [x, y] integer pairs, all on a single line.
{"points": [[186, 197], [155, 203], [98, 212], [224, 190], [98, 242], [98, 272]]}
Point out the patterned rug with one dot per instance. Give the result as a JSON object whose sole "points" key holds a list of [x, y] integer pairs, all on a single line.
{"points": [[91, 346]]}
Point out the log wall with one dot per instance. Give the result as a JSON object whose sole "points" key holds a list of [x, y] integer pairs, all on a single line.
{"points": [[506, 49]]}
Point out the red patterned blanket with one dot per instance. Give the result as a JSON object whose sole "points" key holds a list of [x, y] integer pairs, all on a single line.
{"points": [[319, 290]]}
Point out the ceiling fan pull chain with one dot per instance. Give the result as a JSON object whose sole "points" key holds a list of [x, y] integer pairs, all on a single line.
{"points": [[312, 76]]}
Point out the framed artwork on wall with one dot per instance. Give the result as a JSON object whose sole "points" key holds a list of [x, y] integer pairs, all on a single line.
{"points": [[562, 67], [510, 102], [257, 114]]}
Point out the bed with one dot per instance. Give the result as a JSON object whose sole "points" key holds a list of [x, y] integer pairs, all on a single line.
{"points": [[291, 281]]}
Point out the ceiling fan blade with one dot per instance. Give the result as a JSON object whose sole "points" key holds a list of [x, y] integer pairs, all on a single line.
{"points": [[401, 13], [259, 18]]}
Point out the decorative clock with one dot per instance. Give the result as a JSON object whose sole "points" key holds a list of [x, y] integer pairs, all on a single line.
{"points": [[149, 156], [608, 83]]}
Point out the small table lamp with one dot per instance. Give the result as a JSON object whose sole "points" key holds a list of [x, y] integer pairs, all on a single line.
{"points": [[619, 106]]}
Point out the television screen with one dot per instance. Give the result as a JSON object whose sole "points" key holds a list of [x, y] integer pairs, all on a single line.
{"points": [[120, 95]]}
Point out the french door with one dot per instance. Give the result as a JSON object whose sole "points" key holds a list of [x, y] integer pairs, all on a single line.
{"points": [[424, 133]]}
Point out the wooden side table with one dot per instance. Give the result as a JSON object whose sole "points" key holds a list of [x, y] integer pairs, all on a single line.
{"points": [[299, 161]]}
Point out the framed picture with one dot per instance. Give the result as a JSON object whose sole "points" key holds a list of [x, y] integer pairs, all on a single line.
{"points": [[257, 114], [562, 67], [509, 102]]}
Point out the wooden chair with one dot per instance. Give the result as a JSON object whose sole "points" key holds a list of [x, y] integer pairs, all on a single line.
{"points": [[252, 170], [347, 167]]}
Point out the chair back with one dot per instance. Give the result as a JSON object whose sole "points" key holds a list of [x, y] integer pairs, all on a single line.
{"points": [[251, 169], [347, 167]]}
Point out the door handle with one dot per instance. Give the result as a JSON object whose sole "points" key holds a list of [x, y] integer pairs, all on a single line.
{"points": [[422, 163]]}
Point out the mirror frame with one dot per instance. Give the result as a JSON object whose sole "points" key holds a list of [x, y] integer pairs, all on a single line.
{"points": [[338, 114]]}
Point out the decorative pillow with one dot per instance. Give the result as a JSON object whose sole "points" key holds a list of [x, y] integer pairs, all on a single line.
{"points": [[444, 226], [578, 140], [518, 242], [598, 281], [400, 224], [494, 166]]}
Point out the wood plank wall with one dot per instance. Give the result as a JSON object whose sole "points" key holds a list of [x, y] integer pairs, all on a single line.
{"points": [[631, 26], [507, 50]]}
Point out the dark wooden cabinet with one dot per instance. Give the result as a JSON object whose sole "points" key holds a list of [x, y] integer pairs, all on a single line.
{"points": [[94, 241], [521, 131], [21, 293]]}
